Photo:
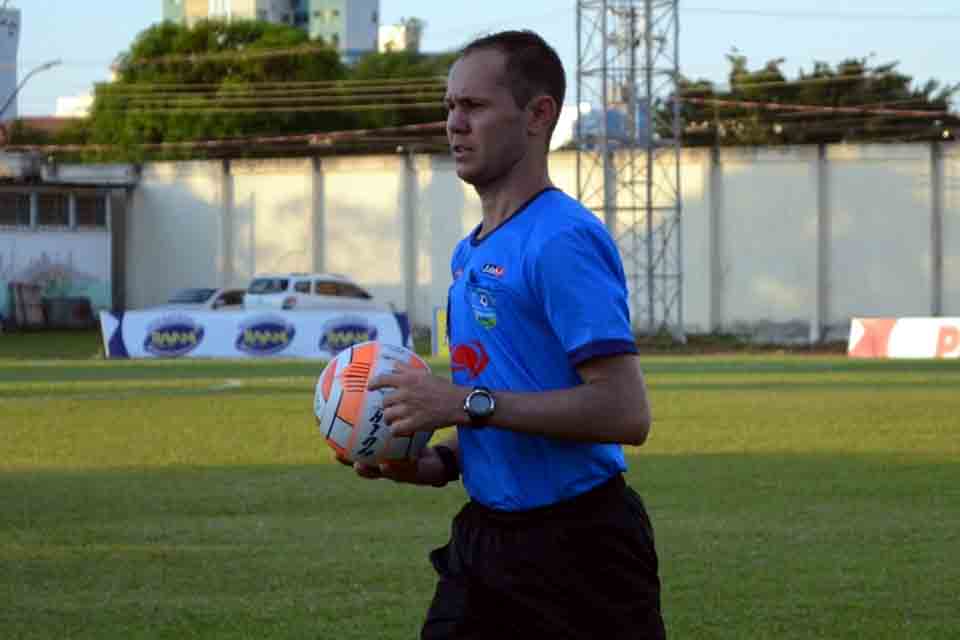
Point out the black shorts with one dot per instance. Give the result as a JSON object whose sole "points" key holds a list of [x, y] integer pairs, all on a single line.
{"points": [[584, 568]]}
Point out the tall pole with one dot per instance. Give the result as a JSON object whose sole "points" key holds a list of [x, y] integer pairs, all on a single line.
{"points": [[631, 177], [33, 72]]}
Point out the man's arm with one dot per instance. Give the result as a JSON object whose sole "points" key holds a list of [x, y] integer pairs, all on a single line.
{"points": [[429, 469], [609, 406]]}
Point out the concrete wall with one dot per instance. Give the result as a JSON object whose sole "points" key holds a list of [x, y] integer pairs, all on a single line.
{"points": [[802, 237], [951, 230]]}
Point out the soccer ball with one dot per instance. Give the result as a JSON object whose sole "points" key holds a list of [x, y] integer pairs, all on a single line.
{"points": [[350, 417]]}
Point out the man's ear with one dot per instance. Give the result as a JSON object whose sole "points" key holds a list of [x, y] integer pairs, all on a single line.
{"points": [[544, 112]]}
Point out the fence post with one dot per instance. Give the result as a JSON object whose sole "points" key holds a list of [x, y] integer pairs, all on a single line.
{"points": [[226, 224], [715, 235], [318, 188], [409, 218], [821, 312], [936, 229]]}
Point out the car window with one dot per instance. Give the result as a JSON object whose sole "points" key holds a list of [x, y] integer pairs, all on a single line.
{"points": [[269, 285], [325, 288], [191, 296], [302, 286], [353, 291], [231, 298]]}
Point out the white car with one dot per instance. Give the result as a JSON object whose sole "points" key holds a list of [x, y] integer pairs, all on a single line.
{"points": [[309, 291], [206, 299]]}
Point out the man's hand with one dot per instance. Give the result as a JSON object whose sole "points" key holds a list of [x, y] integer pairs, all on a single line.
{"points": [[416, 400], [428, 469]]}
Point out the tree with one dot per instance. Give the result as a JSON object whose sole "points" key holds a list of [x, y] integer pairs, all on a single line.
{"points": [[229, 80], [211, 81], [428, 73], [852, 102]]}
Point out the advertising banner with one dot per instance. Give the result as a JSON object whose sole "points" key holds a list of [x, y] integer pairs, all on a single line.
{"points": [[904, 338], [244, 334]]}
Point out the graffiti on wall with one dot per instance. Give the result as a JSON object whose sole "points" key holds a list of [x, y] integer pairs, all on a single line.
{"points": [[62, 265]]}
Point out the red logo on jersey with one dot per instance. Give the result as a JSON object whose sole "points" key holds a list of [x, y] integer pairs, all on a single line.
{"points": [[471, 358]]}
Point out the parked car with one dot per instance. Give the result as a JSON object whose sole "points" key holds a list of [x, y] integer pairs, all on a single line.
{"points": [[309, 291], [206, 299]]}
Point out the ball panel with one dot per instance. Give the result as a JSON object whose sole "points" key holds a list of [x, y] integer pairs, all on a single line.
{"points": [[327, 379], [350, 417], [354, 379]]}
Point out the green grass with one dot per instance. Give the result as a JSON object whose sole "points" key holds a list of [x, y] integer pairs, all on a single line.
{"points": [[793, 497]]}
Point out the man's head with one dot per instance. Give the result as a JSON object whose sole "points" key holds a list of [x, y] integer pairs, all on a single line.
{"points": [[504, 96], [531, 66]]}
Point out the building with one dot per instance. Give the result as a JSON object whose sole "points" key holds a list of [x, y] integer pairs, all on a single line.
{"points": [[9, 47], [74, 106], [404, 36], [349, 25]]}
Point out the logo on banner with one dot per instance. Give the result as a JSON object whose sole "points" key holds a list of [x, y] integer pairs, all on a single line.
{"points": [[346, 331], [173, 336], [265, 335]]}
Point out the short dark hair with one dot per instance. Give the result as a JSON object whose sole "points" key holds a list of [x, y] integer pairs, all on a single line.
{"points": [[532, 66]]}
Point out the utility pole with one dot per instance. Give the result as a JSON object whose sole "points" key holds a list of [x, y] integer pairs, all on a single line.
{"points": [[628, 67]]}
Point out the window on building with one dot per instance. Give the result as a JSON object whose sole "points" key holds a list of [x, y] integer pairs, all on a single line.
{"points": [[14, 210], [92, 211], [53, 210]]}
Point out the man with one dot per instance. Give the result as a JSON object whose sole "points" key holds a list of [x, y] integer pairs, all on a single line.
{"points": [[546, 384]]}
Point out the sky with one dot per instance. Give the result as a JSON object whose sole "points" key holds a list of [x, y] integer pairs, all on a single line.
{"points": [[922, 35]]}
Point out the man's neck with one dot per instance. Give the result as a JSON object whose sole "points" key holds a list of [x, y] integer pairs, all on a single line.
{"points": [[500, 202]]}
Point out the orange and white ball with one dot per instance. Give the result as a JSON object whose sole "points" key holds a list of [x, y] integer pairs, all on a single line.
{"points": [[350, 416]]}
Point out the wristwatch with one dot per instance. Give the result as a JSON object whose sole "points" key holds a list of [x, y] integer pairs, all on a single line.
{"points": [[479, 405]]}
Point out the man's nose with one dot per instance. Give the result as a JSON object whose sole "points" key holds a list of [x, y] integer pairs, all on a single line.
{"points": [[456, 123]]}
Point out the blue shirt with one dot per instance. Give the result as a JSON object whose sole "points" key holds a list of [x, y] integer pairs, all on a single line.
{"points": [[529, 302]]}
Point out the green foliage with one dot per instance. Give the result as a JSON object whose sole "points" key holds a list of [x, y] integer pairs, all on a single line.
{"points": [[219, 80], [851, 83], [404, 65]]}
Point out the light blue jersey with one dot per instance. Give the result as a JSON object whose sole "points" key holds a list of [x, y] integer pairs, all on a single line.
{"points": [[541, 294]]}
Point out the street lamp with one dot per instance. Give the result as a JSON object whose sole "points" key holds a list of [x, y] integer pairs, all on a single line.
{"points": [[34, 71]]}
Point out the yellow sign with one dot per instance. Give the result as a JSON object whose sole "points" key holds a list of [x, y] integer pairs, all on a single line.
{"points": [[441, 345]]}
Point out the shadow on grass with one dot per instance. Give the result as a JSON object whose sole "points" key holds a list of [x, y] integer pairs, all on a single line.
{"points": [[751, 546]]}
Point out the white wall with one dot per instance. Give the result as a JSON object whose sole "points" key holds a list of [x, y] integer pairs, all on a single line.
{"points": [[173, 231], [191, 224]]}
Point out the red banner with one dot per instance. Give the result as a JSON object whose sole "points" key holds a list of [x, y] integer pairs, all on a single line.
{"points": [[904, 338]]}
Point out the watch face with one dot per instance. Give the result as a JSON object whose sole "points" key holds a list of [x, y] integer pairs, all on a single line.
{"points": [[481, 404]]}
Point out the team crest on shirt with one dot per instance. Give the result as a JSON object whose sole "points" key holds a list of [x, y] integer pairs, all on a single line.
{"points": [[484, 305]]}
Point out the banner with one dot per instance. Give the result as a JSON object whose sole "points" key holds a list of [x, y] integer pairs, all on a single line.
{"points": [[162, 333], [904, 338], [441, 343]]}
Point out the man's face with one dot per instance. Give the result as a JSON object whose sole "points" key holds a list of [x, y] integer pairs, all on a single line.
{"points": [[486, 129]]}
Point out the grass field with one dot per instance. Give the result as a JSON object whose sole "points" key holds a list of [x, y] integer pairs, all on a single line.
{"points": [[793, 497]]}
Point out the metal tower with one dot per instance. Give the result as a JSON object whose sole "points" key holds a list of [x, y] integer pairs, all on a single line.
{"points": [[628, 146]]}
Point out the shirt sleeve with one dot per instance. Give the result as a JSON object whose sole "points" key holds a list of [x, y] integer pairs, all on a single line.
{"points": [[579, 278]]}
